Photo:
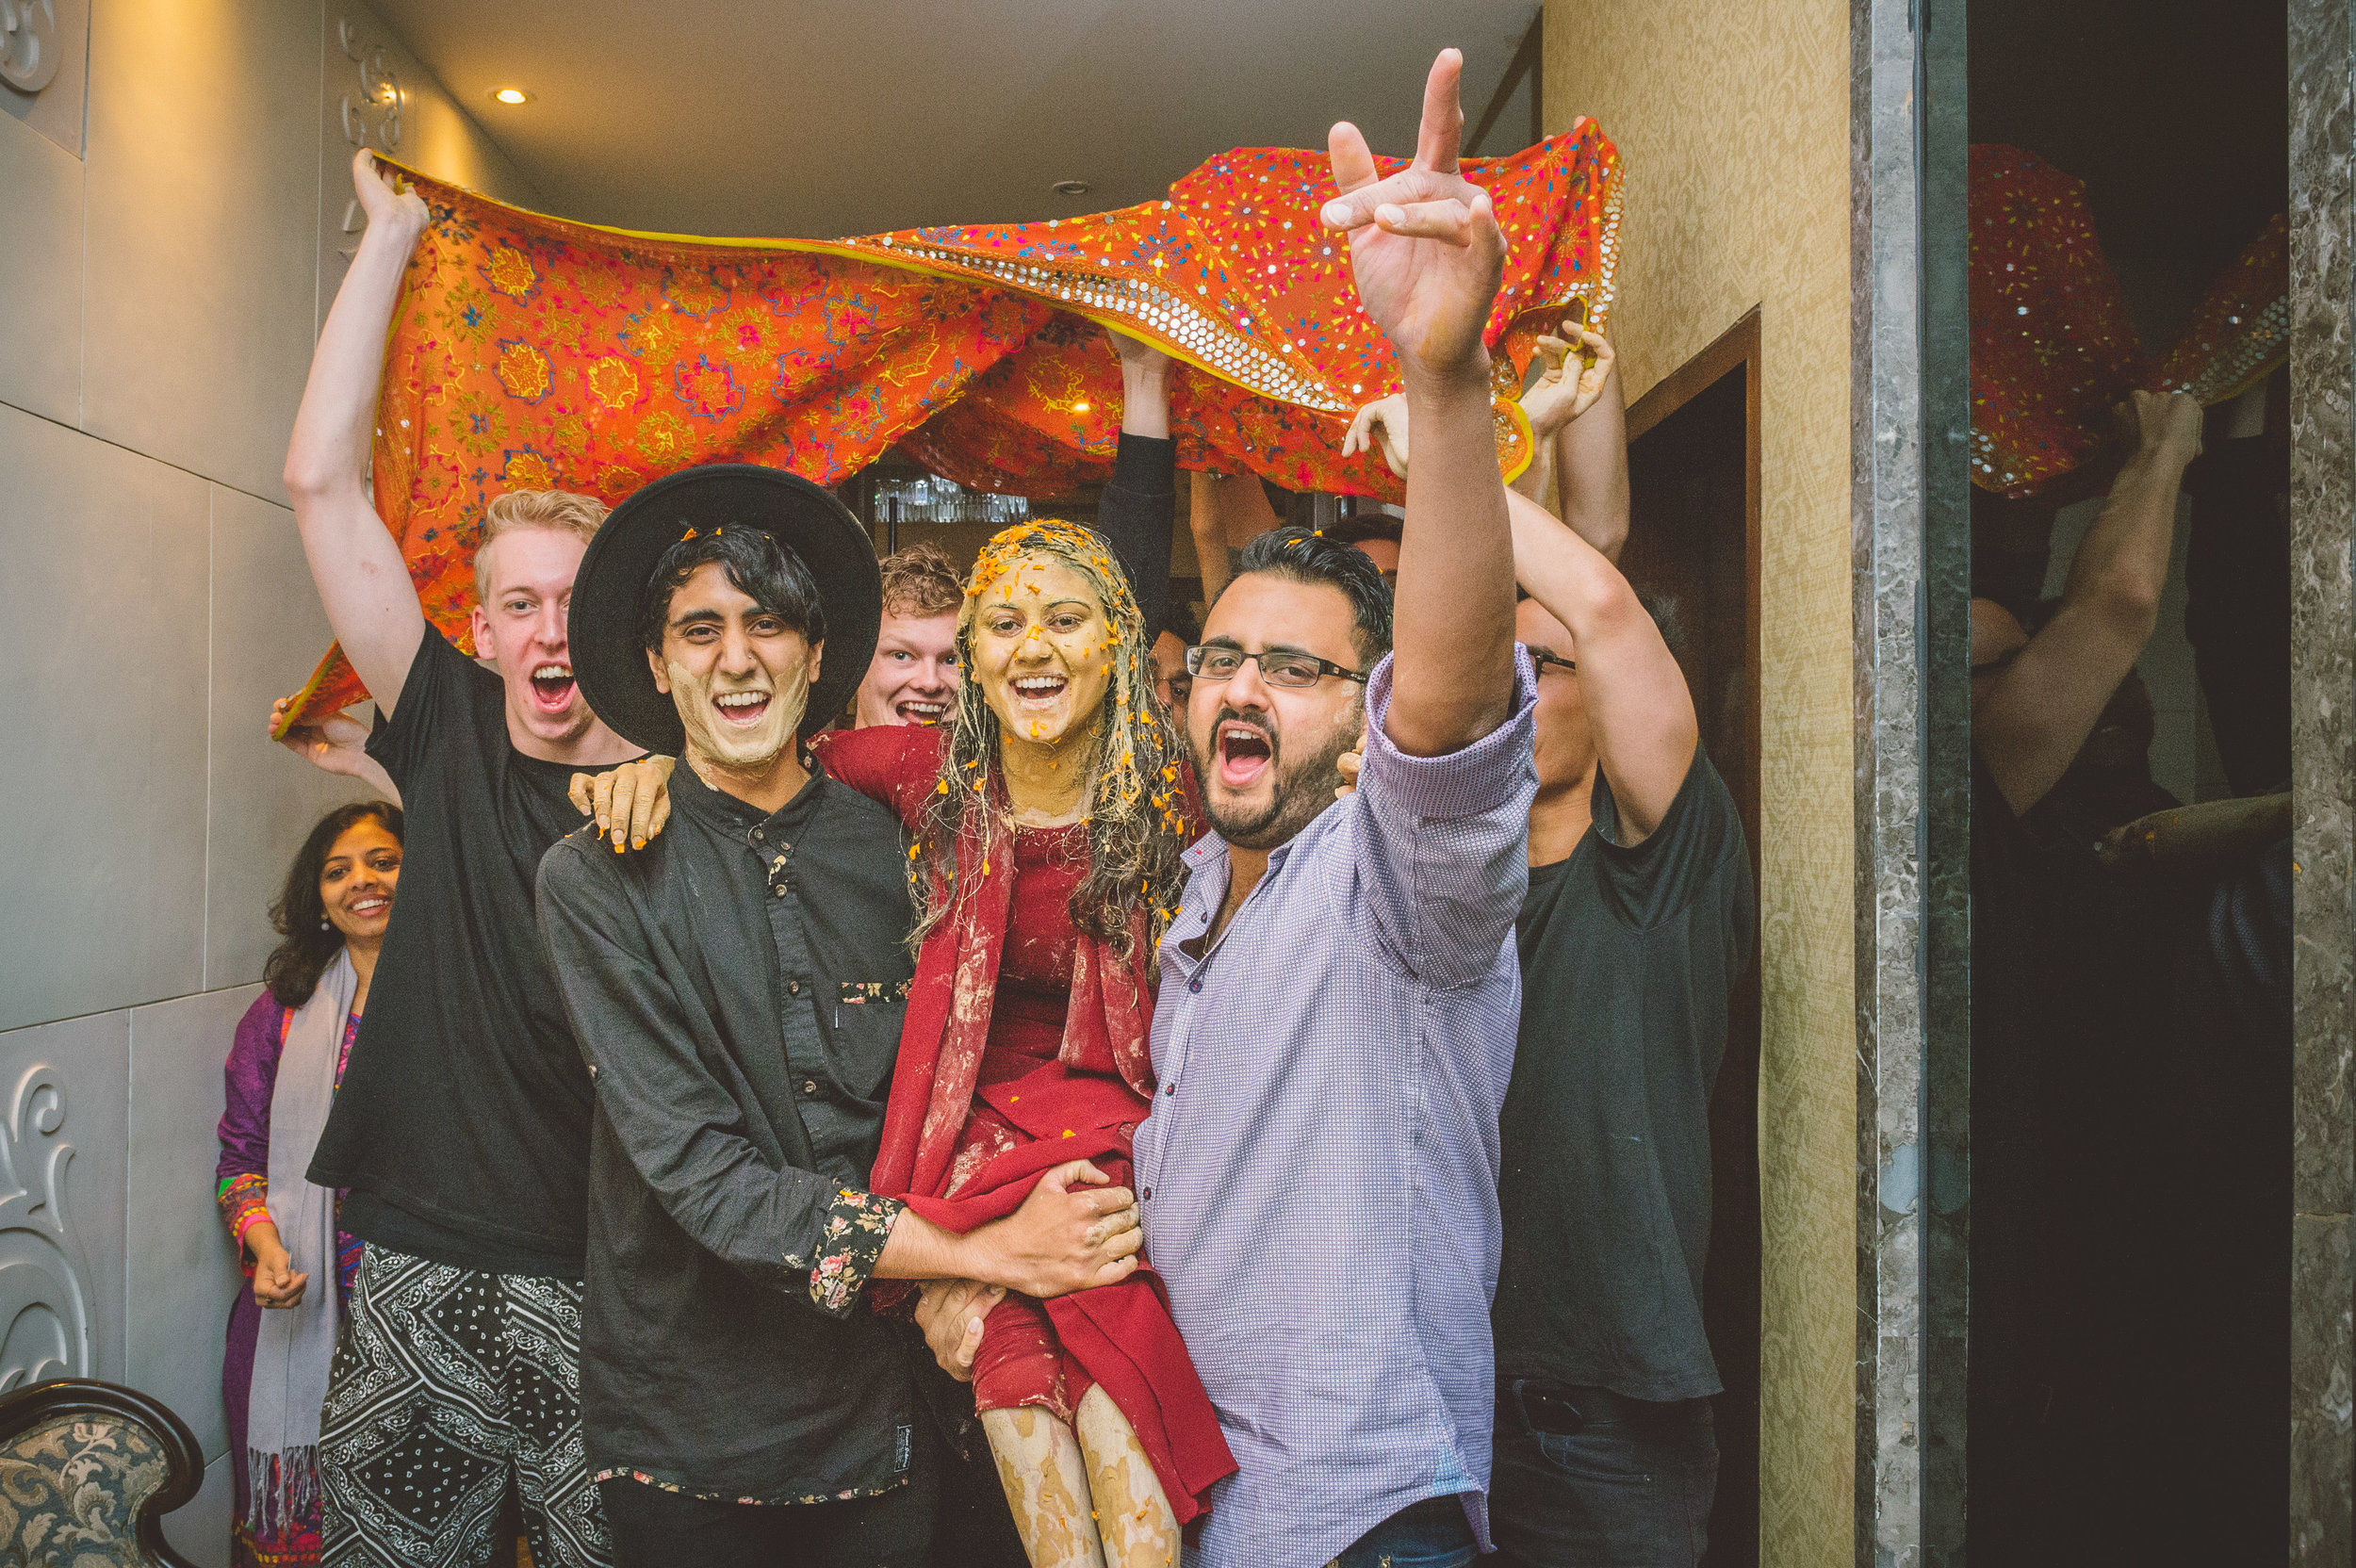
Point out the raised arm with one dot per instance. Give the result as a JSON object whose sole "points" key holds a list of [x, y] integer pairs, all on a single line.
{"points": [[1426, 254], [1638, 707], [2030, 720], [1140, 504], [1581, 422], [356, 562], [1227, 511]]}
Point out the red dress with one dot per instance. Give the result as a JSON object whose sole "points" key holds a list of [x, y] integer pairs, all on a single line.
{"points": [[1025, 1046]]}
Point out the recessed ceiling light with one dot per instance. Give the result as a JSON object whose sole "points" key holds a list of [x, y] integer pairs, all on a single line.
{"points": [[512, 95], [1072, 187]]}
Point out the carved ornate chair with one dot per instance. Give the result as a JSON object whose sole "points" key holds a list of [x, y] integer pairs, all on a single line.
{"points": [[87, 1471]]}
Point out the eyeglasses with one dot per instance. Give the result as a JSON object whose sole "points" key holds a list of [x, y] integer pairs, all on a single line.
{"points": [[1219, 662], [1540, 659]]}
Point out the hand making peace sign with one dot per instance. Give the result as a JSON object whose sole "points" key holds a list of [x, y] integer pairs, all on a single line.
{"points": [[1424, 244]]}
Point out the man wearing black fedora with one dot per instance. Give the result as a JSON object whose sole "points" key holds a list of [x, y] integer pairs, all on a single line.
{"points": [[737, 988]]}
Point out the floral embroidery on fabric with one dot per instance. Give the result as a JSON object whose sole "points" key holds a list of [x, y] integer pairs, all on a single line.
{"points": [[858, 1225], [611, 357]]}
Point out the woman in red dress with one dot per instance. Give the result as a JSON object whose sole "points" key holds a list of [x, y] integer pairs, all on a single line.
{"points": [[1047, 818]]}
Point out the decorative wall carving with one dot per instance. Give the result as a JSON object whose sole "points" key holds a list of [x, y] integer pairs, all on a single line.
{"points": [[372, 104], [29, 46], [370, 109], [46, 1328]]}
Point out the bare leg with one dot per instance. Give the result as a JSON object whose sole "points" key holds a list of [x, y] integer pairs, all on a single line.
{"points": [[1132, 1514], [1046, 1479]]}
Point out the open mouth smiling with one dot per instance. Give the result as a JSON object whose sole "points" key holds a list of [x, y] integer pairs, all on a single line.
{"points": [[368, 907], [552, 687], [1039, 688], [742, 709], [920, 710], [1245, 751]]}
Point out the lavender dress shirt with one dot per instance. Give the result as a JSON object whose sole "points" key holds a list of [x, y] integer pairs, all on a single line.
{"points": [[1319, 1173]]}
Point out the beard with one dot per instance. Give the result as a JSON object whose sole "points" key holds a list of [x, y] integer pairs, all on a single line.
{"points": [[739, 751], [1300, 790]]}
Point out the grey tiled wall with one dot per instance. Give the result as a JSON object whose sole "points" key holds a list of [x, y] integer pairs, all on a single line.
{"points": [[164, 279]]}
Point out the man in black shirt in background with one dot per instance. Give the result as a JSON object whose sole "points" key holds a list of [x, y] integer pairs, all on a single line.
{"points": [[738, 989], [1639, 921], [462, 1125]]}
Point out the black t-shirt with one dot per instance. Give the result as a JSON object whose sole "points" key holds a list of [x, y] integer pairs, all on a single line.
{"points": [[1629, 954], [461, 1126]]}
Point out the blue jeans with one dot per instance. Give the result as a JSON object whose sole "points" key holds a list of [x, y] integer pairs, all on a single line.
{"points": [[1631, 1488], [1433, 1533]]}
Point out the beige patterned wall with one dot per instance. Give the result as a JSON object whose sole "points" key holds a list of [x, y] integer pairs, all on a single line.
{"points": [[1733, 118]]}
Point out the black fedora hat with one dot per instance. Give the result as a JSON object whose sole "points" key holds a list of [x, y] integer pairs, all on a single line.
{"points": [[611, 662]]}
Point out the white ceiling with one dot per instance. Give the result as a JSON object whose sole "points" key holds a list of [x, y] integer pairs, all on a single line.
{"points": [[796, 118]]}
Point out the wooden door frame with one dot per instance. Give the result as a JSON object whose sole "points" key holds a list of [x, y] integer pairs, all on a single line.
{"points": [[1737, 348], [1735, 351]]}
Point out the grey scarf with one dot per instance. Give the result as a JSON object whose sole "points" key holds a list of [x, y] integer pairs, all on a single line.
{"points": [[295, 1345]]}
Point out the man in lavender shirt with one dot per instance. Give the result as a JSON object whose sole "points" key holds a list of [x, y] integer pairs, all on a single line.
{"points": [[1339, 989]]}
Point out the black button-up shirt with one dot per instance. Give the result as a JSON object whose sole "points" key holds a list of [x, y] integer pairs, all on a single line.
{"points": [[737, 987]]}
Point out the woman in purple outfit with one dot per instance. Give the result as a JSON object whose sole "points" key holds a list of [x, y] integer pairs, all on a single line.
{"points": [[283, 1070]]}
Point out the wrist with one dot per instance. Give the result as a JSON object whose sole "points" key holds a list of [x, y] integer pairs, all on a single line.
{"points": [[396, 231], [976, 1256], [1423, 379]]}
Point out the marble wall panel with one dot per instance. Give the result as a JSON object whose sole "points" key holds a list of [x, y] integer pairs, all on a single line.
{"points": [[41, 268], [181, 1269], [64, 1088], [268, 632], [202, 230], [2323, 781], [103, 630]]}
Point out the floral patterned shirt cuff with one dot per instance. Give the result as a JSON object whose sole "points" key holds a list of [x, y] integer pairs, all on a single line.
{"points": [[849, 1246]]}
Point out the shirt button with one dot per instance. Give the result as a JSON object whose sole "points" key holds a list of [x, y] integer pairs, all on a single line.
{"points": [[780, 890], [1149, 1193], [758, 835], [810, 1086], [1169, 1088], [794, 987]]}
